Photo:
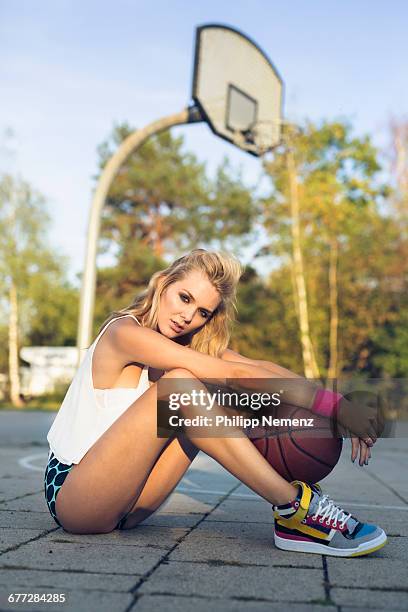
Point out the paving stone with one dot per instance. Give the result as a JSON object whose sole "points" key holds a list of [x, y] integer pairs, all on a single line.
{"points": [[232, 581], [237, 543], [354, 487], [369, 600], [159, 519], [13, 537], [356, 609], [25, 427], [395, 549], [76, 601], [226, 560], [170, 603], [206, 473], [10, 466], [373, 572], [189, 502], [85, 557], [142, 535], [243, 511], [394, 523], [391, 471], [27, 520], [384, 463], [246, 494], [30, 503], [11, 488], [43, 579], [178, 504]]}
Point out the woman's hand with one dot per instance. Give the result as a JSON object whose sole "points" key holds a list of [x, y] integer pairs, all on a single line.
{"points": [[365, 450], [360, 413]]}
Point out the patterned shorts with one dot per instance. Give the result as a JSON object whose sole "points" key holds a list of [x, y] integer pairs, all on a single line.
{"points": [[55, 474]]}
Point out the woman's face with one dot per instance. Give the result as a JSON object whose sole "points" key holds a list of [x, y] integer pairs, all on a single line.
{"points": [[187, 305]]}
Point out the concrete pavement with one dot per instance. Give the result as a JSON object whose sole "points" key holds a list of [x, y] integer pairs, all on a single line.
{"points": [[210, 546]]}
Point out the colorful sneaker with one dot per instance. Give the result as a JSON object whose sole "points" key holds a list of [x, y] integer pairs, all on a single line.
{"points": [[317, 488], [312, 523]]}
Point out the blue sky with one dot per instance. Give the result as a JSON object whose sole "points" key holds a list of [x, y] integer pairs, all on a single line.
{"points": [[70, 69]]}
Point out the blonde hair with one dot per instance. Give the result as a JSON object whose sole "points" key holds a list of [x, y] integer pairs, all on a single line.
{"points": [[222, 270]]}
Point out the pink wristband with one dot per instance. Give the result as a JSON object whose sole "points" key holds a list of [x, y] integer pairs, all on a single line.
{"points": [[326, 402]]}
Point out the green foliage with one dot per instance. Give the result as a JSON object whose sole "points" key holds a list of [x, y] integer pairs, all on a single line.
{"points": [[267, 326], [340, 199], [47, 304], [155, 198], [119, 285], [46, 402], [162, 204], [163, 199], [23, 225], [54, 314]]}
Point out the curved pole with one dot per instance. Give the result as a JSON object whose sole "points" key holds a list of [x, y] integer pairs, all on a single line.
{"points": [[127, 147]]}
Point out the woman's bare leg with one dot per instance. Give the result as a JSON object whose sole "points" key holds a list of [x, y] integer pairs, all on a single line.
{"points": [[167, 472], [104, 486]]}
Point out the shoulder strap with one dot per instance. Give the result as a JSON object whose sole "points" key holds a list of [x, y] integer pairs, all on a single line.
{"points": [[111, 321], [133, 317]]}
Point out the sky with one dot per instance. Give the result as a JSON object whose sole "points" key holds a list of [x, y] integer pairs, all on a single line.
{"points": [[70, 69]]}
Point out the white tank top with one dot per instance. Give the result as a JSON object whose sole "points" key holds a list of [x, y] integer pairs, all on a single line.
{"points": [[86, 413]]}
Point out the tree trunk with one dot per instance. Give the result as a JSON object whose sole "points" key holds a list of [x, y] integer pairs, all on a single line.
{"points": [[400, 137], [13, 349], [334, 312], [158, 242], [309, 362]]}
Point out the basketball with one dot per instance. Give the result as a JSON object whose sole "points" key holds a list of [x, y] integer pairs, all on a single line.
{"points": [[299, 452]]}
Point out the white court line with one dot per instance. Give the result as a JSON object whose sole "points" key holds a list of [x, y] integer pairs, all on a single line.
{"points": [[256, 498], [190, 483], [25, 462]]}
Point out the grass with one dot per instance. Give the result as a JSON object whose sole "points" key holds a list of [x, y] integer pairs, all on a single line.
{"points": [[46, 402], [38, 404]]}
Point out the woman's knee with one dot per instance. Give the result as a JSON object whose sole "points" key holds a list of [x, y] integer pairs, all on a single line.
{"points": [[182, 381], [77, 516], [82, 529], [84, 523]]}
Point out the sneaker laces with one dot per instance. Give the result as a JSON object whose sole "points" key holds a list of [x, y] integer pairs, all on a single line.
{"points": [[328, 511]]}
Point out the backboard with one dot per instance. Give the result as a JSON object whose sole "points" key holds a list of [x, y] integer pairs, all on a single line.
{"points": [[237, 89]]}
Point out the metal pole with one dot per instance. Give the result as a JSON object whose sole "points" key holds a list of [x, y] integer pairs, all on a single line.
{"points": [[128, 146]]}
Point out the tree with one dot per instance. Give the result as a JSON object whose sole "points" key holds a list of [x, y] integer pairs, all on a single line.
{"points": [[155, 197], [300, 294], [53, 306], [337, 197], [399, 165], [27, 265], [161, 205], [267, 326]]}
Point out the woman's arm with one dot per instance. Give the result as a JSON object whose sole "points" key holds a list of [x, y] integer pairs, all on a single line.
{"points": [[299, 392], [133, 343], [276, 370]]}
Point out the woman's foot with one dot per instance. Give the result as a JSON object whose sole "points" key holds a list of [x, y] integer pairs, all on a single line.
{"points": [[313, 523]]}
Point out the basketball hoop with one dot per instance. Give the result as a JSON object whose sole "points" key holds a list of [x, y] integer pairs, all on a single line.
{"points": [[237, 89]]}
